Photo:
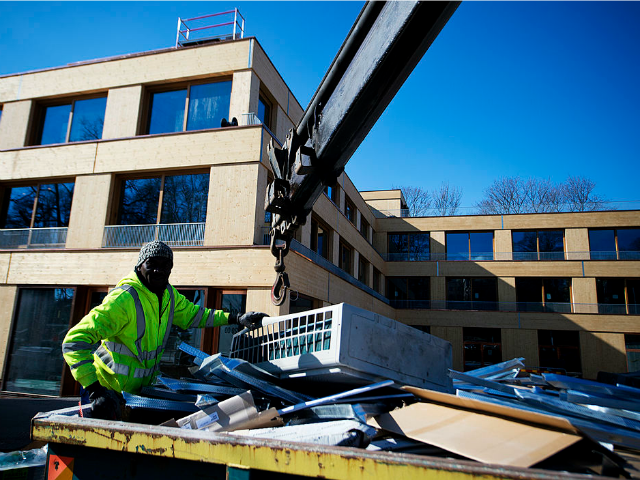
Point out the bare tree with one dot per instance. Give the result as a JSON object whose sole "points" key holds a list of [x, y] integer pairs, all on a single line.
{"points": [[446, 199], [418, 200], [533, 195], [579, 196]]}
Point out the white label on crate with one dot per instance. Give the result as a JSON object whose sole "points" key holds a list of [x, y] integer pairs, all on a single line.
{"points": [[204, 421]]}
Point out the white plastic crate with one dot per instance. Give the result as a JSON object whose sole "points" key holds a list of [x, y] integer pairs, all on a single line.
{"points": [[345, 344]]}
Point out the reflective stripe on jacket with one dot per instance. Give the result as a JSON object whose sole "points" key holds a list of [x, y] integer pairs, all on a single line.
{"points": [[120, 342]]}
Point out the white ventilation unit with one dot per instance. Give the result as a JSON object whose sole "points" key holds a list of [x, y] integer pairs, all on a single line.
{"points": [[346, 344]]}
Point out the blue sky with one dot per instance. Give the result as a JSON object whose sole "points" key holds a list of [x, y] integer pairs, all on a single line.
{"points": [[541, 89]]}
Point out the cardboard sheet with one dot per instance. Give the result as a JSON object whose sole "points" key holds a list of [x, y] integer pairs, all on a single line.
{"points": [[478, 436], [491, 408]]}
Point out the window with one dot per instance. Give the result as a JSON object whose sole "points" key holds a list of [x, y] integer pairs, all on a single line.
{"points": [[171, 208], [194, 107], [632, 344], [36, 216], [72, 121], [364, 228], [331, 191], [164, 199], [559, 349], [301, 304], [232, 302], [474, 246], [538, 245], [350, 210], [376, 280], [618, 295], [41, 322], [264, 111], [612, 244], [411, 247], [472, 294], [320, 238], [482, 347], [175, 363], [543, 295], [408, 292], [363, 270], [346, 258]]}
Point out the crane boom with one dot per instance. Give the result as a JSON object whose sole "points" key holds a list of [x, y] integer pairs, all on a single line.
{"points": [[383, 47]]}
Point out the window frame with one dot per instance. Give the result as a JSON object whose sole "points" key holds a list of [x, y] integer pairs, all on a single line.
{"points": [[559, 348], [150, 90], [539, 254], [472, 304], [363, 262], [609, 308], [266, 101], [605, 255], [482, 344], [341, 247], [317, 223], [350, 210], [544, 305], [115, 210], [469, 253], [35, 138], [410, 255], [404, 303]]}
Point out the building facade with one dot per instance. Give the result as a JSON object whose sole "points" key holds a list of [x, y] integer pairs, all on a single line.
{"points": [[99, 157]]}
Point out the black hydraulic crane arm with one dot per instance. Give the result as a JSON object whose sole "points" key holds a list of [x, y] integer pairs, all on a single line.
{"points": [[384, 45]]}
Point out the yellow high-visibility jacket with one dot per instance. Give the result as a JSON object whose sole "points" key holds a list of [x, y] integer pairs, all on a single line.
{"points": [[120, 342]]}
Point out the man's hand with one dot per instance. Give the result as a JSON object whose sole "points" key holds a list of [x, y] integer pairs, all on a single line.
{"points": [[106, 403], [250, 319]]}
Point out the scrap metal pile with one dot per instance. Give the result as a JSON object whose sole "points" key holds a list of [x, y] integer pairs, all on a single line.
{"points": [[499, 414]]}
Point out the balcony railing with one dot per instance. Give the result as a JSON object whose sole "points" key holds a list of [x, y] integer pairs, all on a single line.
{"points": [[526, 307], [508, 256], [33, 238], [174, 235]]}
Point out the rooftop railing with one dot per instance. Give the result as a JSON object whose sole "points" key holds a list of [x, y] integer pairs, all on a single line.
{"points": [[174, 235], [55, 237], [192, 31]]}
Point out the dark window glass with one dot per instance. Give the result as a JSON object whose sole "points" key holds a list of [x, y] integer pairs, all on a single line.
{"points": [[418, 292], [418, 246], [485, 294], [233, 303], [139, 201], [319, 239], [633, 296], [300, 304], [167, 111], [175, 363], [610, 293], [551, 244], [457, 246], [350, 211], [88, 119], [345, 258], [557, 295], [482, 347], [55, 124], [54, 205], [559, 349], [19, 201], [602, 244], [185, 198], [208, 105], [481, 246], [525, 245], [458, 293], [363, 270], [632, 343], [397, 291], [364, 228], [529, 294], [264, 111], [629, 243], [376, 279], [35, 359], [398, 247]]}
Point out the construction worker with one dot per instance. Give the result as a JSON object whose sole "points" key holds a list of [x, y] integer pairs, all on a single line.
{"points": [[118, 345]]}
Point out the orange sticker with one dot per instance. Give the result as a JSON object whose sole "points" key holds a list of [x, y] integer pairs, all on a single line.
{"points": [[60, 468]]}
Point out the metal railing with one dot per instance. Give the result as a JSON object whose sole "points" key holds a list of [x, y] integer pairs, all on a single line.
{"points": [[192, 30], [525, 307], [55, 237], [174, 235], [473, 210], [508, 256]]}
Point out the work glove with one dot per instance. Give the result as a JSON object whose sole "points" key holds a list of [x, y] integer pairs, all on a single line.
{"points": [[247, 320], [105, 402]]}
